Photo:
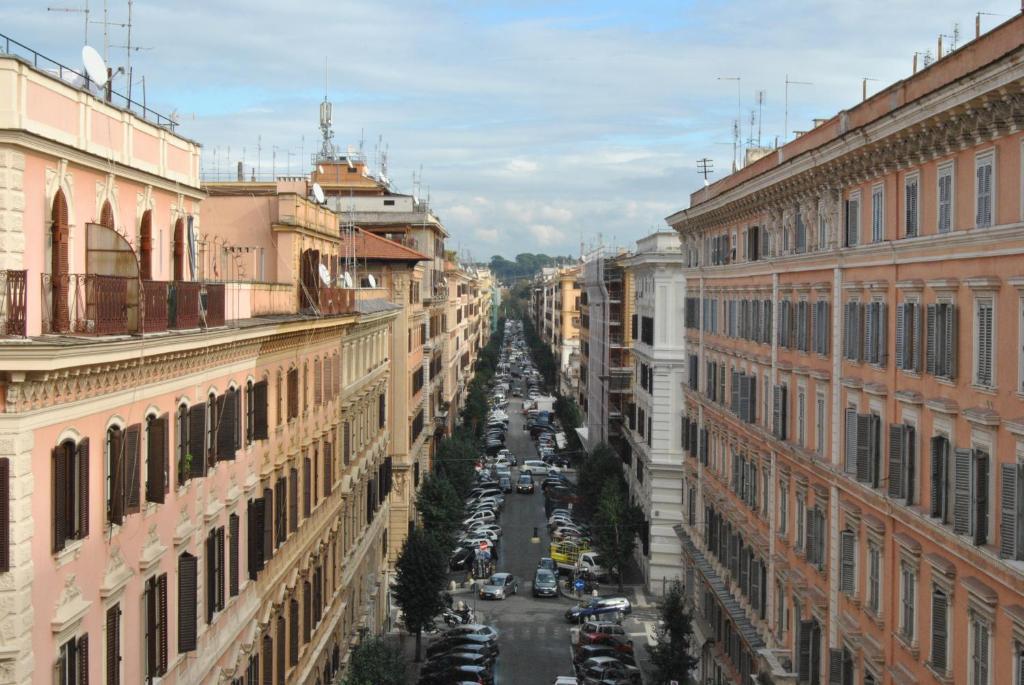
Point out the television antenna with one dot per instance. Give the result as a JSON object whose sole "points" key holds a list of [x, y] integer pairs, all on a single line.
{"points": [[977, 21], [760, 114], [739, 115], [84, 10], [785, 125], [864, 87], [326, 120], [705, 166]]}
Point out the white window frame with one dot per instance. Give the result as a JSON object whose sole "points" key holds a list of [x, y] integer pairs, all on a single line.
{"points": [[912, 179], [944, 169], [819, 427], [855, 196], [980, 159], [973, 623], [823, 234], [908, 631], [801, 416], [878, 212], [783, 523], [980, 301], [873, 602]]}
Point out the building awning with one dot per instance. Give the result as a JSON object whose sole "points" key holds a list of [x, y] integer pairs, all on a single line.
{"points": [[560, 441], [728, 603], [584, 436]]}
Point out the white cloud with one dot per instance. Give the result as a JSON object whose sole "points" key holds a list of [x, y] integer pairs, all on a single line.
{"points": [[461, 212], [557, 214], [521, 166], [545, 235], [486, 235]]}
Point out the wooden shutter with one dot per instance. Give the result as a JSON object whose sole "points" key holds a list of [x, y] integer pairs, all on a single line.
{"points": [[188, 576], [962, 491], [293, 631], [307, 487], [897, 442], [61, 511], [5, 515], [233, 554], [950, 336], [82, 656], [979, 493], [268, 659], [197, 439], [328, 468], [150, 612], [133, 467], [259, 393], [852, 455], [268, 523], [113, 637], [847, 562], [116, 466], [161, 585], [220, 567], [254, 527], [224, 429], [211, 575], [293, 501], [931, 346], [156, 460], [293, 393], [811, 547], [803, 658], [317, 383], [1011, 510], [940, 631], [835, 667], [777, 411], [864, 448], [939, 469], [307, 611], [902, 342]]}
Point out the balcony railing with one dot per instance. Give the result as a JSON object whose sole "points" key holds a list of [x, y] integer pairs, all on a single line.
{"points": [[336, 300], [91, 304], [14, 287]]}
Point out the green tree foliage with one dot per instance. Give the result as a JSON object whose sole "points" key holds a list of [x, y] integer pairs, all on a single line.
{"points": [[616, 523], [670, 655], [526, 265], [568, 413], [440, 508], [375, 662], [455, 459], [540, 353], [420, 577], [601, 466]]}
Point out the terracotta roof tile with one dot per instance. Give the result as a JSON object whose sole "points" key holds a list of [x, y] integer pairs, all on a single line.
{"points": [[370, 246]]}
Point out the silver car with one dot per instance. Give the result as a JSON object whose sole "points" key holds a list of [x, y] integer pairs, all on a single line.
{"points": [[499, 586]]}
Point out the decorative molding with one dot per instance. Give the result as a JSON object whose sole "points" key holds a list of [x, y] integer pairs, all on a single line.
{"points": [[152, 550], [117, 574], [71, 607]]}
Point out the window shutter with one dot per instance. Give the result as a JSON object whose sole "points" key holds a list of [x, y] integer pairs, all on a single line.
{"points": [[132, 468], [115, 448], [317, 383], [901, 341], [951, 342], [255, 537], [82, 655], [211, 575], [260, 410], [293, 631], [777, 410], [734, 392], [233, 556], [909, 463], [82, 459], [268, 659], [864, 448], [897, 441], [804, 651], [293, 501], [220, 567], [156, 460], [852, 456], [268, 523], [281, 637], [61, 511], [940, 609], [161, 585], [979, 492], [225, 428], [307, 475], [811, 548], [846, 562], [939, 467], [1011, 510], [197, 439], [931, 347], [328, 468], [835, 667], [114, 645], [307, 611], [962, 491], [187, 588], [150, 611], [867, 311]]}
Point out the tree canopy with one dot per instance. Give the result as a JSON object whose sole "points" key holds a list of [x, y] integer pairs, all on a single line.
{"points": [[670, 654], [420, 577], [440, 508], [525, 265], [616, 524], [375, 662]]}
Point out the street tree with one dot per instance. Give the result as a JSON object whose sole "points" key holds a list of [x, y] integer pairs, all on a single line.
{"points": [[420, 576], [616, 523], [375, 662], [597, 469], [440, 508], [454, 460], [670, 654]]}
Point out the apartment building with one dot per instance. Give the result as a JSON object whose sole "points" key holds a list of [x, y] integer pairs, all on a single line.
{"points": [[556, 304], [656, 343], [194, 471], [854, 479]]}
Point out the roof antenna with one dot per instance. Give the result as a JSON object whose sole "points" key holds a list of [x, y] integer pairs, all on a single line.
{"points": [[785, 125], [326, 119], [76, 10]]}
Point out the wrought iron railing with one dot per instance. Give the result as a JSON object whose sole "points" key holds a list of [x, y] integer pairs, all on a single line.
{"points": [[86, 303], [183, 305], [154, 306], [336, 300], [14, 286], [213, 297]]}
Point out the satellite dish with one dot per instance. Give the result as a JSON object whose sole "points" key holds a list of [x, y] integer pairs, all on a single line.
{"points": [[348, 279], [325, 275], [372, 281], [95, 67], [318, 193], [320, 168]]}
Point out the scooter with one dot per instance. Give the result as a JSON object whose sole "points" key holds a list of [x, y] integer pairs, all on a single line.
{"points": [[456, 618]]}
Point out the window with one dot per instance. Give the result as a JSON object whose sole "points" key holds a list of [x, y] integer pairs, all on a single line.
{"points": [[853, 326], [816, 531], [852, 221], [983, 333], [979, 665], [863, 446], [1011, 511], [984, 189], [780, 405], [293, 393], [783, 508], [821, 326], [801, 402], [970, 494], [940, 481], [113, 646], [902, 462], [72, 666], [234, 545], [908, 336], [157, 475], [874, 579], [123, 472], [945, 195], [214, 572], [188, 580], [908, 599], [875, 319], [940, 356], [877, 214], [70, 492], [800, 522], [799, 232], [910, 197], [819, 426], [822, 231], [154, 607], [940, 630]]}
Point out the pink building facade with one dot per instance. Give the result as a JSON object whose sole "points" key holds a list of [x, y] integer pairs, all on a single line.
{"points": [[193, 449]]}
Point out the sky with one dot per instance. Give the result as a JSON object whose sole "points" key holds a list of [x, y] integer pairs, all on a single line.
{"points": [[536, 125]]}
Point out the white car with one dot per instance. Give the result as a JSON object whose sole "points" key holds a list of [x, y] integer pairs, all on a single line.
{"points": [[485, 528], [532, 466], [485, 515]]}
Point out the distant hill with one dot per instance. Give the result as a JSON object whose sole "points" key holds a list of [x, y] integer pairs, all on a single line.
{"points": [[526, 265]]}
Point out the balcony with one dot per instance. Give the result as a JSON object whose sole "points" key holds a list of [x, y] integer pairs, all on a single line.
{"points": [[91, 304], [14, 287]]}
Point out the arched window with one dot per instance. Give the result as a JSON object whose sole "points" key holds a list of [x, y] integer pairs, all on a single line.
{"points": [[211, 426], [278, 397], [181, 421], [59, 317], [250, 417], [146, 245], [107, 215], [178, 256], [113, 452]]}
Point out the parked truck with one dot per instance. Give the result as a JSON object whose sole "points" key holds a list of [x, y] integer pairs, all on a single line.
{"points": [[566, 553]]}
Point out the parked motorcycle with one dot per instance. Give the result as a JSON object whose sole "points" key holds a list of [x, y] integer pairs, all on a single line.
{"points": [[457, 617]]}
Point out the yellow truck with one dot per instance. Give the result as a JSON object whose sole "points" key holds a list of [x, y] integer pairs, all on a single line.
{"points": [[566, 553]]}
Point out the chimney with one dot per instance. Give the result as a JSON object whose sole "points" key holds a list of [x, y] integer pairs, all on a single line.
{"points": [[241, 172], [915, 62]]}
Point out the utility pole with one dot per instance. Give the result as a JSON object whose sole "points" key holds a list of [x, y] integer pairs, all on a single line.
{"points": [[785, 125]]}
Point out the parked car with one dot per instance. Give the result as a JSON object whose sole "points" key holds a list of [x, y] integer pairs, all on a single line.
{"points": [[458, 674], [532, 466], [598, 606], [485, 515], [591, 651], [461, 559], [450, 643], [474, 629], [441, 662], [545, 583], [463, 647], [597, 632], [525, 483], [602, 667], [499, 586], [548, 563]]}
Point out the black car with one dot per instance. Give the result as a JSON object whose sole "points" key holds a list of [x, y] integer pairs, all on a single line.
{"points": [[545, 583], [462, 559], [464, 643], [525, 483], [441, 662], [458, 674]]}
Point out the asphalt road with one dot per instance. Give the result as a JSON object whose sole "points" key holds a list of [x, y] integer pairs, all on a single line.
{"points": [[532, 632]]}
